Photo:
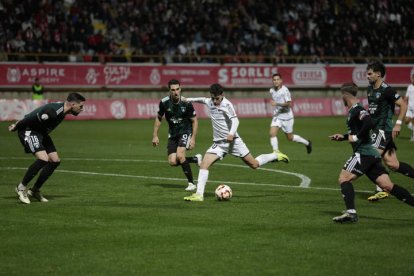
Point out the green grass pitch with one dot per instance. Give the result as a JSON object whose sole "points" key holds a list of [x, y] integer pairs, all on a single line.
{"points": [[116, 208]]}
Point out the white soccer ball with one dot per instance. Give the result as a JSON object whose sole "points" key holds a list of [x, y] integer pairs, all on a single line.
{"points": [[223, 192]]}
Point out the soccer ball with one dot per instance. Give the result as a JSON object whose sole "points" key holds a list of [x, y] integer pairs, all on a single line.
{"points": [[223, 192]]}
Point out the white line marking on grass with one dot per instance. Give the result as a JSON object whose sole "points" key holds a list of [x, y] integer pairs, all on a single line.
{"points": [[180, 179], [305, 181], [153, 177]]}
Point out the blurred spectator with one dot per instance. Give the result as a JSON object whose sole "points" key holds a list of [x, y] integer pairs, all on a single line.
{"points": [[194, 31], [37, 90]]}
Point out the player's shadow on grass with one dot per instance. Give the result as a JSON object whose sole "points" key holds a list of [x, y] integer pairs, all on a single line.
{"points": [[168, 186], [49, 197], [372, 218]]}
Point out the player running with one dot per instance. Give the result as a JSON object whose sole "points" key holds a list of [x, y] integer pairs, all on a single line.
{"points": [[182, 131], [382, 100], [365, 160], [226, 140], [283, 115]]}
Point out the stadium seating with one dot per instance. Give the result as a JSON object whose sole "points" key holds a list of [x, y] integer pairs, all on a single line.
{"points": [[199, 31]]}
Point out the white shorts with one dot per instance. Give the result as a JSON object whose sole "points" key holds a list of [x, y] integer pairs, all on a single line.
{"points": [[410, 112], [285, 125], [238, 148]]}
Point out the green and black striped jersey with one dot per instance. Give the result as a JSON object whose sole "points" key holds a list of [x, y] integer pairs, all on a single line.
{"points": [[358, 124], [43, 119], [381, 106], [178, 116]]}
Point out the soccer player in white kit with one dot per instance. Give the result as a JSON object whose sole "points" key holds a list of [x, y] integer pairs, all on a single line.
{"points": [[226, 140], [409, 115], [282, 115]]}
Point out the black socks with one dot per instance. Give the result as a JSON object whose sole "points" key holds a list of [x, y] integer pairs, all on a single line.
{"points": [[44, 175], [406, 170], [187, 171], [402, 194], [348, 193], [33, 170]]}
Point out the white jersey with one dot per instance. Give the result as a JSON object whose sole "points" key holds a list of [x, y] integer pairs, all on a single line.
{"points": [[220, 117], [410, 95], [281, 95]]}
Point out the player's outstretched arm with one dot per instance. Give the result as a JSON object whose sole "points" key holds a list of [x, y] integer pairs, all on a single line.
{"points": [[194, 100], [155, 139], [13, 127], [338, 137]]}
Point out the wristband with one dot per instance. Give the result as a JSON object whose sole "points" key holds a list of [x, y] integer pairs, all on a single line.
{"points": [[354, 138], [398, 122]]}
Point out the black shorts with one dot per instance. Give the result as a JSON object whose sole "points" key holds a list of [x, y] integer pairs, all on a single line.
{"points": [[383, 140], [34, 141], [182, 140], [369, 165]]}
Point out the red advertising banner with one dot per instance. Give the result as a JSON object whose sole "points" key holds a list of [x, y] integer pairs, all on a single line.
{"points": [[11, 110], [102, 110], [94, 75], [312, 107], [16, 109]]}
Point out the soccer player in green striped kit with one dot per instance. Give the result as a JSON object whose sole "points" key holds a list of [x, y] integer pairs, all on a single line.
{"points": [[365, 158], [33, 131], [382, 100]]}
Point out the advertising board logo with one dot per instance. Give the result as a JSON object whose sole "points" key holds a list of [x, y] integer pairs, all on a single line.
{"points": [[155, 77], [246, 75], [116, 74], [91, 76], [309, 76], [359, 76], [13, 74], [118, 109]]}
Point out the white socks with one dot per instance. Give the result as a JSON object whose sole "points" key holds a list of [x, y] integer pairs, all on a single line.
{"points": [[298, 139], [202, 180], [274, 143], [266, 158]]}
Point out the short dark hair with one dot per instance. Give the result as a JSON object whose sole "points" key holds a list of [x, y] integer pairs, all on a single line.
{"points": [[350, 87], [277, 75], [377, 66], [75, 97], [216, 89], [172, 82]]}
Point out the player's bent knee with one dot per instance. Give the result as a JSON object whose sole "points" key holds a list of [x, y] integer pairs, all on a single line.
{"points": [[172, 163], [343, 179], [384, 182], [392, 165]]}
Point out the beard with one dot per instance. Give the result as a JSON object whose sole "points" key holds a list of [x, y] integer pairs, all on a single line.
{"points": [[75, 113]]}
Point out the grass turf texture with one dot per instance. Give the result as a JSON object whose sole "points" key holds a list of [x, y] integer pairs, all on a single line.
{"points": [[111, 212]]}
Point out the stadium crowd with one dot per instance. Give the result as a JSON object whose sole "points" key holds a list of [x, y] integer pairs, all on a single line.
{"points": [[190, 30]]}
